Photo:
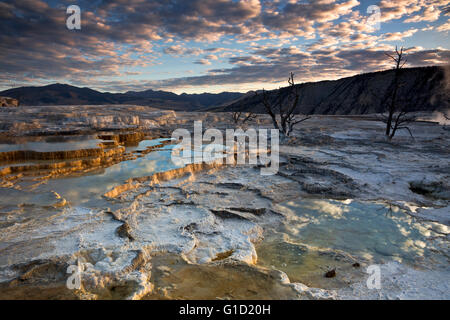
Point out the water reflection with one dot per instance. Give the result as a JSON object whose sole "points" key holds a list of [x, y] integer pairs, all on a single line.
{"points": [[88, 189], [353, 231]]}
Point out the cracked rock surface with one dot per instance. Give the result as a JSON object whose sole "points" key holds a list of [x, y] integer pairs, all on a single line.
{"points": [[138, 227]]}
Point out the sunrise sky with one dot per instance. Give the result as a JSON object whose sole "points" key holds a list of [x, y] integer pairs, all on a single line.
{"points": [[212, 45]]}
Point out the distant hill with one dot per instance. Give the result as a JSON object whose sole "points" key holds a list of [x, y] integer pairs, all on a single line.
{"points": [[63, 94], [422, 89]]}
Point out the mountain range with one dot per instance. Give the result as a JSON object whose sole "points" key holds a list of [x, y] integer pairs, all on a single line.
{"points": [[421, 89], [64, 94]]}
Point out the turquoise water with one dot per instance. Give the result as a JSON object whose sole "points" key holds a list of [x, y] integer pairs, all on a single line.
{"points": [[319, 235], [145, 144], [368, 230], [89, 188]]}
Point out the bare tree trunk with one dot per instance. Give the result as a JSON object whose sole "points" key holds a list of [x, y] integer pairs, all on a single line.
{"points": [[395, 123], [286, 109]]}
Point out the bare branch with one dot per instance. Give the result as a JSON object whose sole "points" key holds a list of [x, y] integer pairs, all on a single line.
{"points": [[396, 117], [236, 116], [301, 120], [286, 106], [406, 60], [392, 57], [250, 116]]}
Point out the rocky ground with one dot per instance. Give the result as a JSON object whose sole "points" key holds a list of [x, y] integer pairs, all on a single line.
{"points": [[141, 228]]}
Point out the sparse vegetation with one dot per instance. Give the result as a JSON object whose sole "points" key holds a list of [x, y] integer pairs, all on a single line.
{"points": [[243, 117], [283, 110], [446, 116], [397, 117]]}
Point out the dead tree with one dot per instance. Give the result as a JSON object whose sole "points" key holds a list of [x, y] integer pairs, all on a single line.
{"points": [[283, 110], [397, 117], [243, 117]]}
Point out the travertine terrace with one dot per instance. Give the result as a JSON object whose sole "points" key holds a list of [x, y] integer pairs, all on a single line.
{"points": [[94, 186]]}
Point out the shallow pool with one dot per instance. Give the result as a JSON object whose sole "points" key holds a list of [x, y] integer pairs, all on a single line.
{"points": [[321, 235]]}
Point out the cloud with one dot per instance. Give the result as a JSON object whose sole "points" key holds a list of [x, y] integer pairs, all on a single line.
{"points": [[211, 57], [203, 62], [182, 50], [430, 13], [119, 38], [35, 41], [414, 10], [298, 18], [271, 69], [396, 36], [444, 27]]}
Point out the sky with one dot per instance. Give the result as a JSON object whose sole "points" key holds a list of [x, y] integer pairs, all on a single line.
{"points": [[197, 46]]}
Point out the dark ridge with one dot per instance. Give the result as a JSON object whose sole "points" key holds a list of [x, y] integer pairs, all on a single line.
{"points": [[422, 89], [64, 94]]}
